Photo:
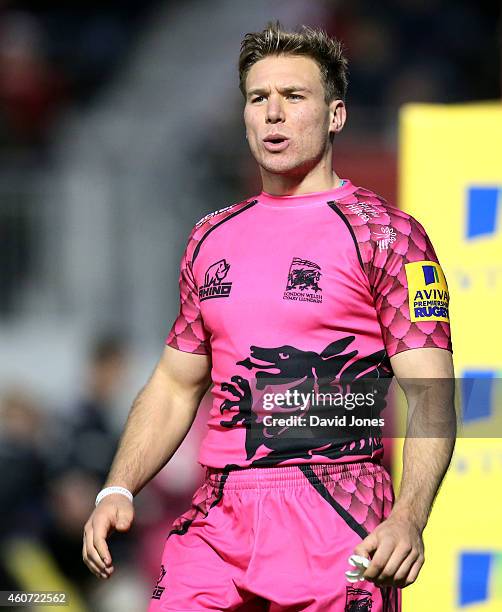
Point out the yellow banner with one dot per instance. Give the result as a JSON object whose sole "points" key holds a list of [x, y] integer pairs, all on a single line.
{"points": [[451, 181]]}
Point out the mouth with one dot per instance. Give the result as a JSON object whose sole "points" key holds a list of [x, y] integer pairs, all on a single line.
{"points": [[275, 143]]}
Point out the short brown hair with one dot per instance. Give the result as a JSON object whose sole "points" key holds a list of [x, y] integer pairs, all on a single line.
{"points": [[314, 43]]}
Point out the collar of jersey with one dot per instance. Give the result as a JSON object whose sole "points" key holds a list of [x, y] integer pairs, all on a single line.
{"points": [[307, 199]]}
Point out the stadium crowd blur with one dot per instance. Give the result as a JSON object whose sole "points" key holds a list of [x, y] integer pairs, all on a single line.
{"points": [[55, 60]]}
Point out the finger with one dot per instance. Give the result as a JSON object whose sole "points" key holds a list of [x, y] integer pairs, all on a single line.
{"points": [[403, 571], [93, 557], [92, 566], [91, 551], [124, 519], [367, 546], [95, 570], [101, 528], [380, 559], [397, 558], [415, 570]]}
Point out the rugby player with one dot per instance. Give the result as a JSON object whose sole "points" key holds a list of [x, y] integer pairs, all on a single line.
{"points": [[315, 281]]}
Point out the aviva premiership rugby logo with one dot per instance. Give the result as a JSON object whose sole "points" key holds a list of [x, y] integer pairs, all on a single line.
{"points": [[427, 291], [213, 286], [430, 274]]}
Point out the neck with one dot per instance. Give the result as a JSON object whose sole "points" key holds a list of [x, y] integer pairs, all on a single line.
{"points": [[320, 178]]}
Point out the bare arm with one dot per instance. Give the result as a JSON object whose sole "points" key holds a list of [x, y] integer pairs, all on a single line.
{"points": [[396, 545], [428, 384], [158, 422]]}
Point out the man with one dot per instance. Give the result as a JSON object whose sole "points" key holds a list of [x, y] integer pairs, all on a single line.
{"points": [[302, 287]]}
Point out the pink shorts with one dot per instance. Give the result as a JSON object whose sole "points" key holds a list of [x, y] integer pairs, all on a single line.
{"points": [[276, 539]]}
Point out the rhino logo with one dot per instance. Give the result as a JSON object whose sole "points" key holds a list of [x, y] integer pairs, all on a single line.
{"points": [[216, 273], [214, 286], [331, 369]]}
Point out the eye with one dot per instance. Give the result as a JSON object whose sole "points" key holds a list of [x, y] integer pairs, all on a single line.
{"points": [[295, 96], [257, 99]]}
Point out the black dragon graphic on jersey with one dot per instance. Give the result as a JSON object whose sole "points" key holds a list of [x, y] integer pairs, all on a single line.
{"points": [[306, 372]]}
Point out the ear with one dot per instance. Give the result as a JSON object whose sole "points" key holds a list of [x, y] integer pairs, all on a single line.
{"points": [[337, 116]]}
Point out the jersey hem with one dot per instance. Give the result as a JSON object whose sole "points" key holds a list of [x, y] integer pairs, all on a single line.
{"points": [[414, 348], [186, 350]]}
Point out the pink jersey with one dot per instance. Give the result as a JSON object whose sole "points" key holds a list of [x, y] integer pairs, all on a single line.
{"points": [[296, 289]]}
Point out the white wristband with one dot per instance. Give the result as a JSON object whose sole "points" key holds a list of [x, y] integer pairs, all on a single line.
{"points": [[110, 490]]}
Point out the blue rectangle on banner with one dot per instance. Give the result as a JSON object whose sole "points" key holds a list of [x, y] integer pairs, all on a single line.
{"points": [[482, 204], [474, 575], [477, 392]]}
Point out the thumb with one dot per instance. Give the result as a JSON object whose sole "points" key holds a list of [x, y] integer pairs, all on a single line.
{"points": [[367, 546], [124, 521]]}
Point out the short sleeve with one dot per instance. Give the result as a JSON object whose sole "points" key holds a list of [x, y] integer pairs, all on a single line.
{"points": [[409, 288], [188, 332]]}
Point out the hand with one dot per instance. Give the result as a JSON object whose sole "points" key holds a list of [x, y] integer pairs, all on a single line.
{"points": [[114, 512], [396, 550]]}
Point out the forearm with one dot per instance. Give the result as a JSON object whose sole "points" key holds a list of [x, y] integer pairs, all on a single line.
{"points": [[425, 461], [158, 422], [427, 378]]}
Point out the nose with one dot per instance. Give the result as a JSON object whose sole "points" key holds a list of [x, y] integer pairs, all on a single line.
{"points": [[275, 111]]}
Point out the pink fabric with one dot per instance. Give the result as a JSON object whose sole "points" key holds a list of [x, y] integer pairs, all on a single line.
{"points": [[276, 539], [299, 287]]}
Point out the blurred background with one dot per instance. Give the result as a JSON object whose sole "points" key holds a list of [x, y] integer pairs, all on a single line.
{"points": [[120, 127]]}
